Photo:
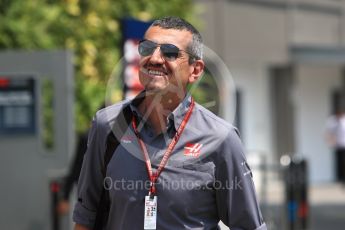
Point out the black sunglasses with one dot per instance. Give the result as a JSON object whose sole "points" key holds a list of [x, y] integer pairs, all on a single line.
{"points": [[170, 52]]}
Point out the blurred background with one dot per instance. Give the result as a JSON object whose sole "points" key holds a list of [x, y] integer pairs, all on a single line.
{"points": [[59, 58]]}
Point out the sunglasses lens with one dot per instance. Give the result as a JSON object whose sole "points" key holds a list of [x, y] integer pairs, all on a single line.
{"points": [[146, 48], [170, 51]]}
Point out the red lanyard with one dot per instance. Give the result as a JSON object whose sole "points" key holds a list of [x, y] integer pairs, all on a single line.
{"points": [[154, 175]]}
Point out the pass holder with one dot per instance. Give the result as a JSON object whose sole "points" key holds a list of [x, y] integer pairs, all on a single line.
{"points": [[150, 212], [150, 215]]}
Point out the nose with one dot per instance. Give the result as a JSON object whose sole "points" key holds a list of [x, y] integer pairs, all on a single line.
{"points": [[156, 57]]}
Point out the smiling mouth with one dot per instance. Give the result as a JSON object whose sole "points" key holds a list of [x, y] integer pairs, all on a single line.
{"points": [[153, 73]]}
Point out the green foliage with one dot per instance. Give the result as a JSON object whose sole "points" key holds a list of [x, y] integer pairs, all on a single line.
{"points": [[90, 28]]}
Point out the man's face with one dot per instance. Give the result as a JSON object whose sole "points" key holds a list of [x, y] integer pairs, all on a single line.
{"points": [[157, 74]]}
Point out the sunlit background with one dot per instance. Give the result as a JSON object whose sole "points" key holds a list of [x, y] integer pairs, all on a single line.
{"points": [[286, 59]]}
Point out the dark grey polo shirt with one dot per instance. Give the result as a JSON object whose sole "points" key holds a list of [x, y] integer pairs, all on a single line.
{"points": [[205, 180]]}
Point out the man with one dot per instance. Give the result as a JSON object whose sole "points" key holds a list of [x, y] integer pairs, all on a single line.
{"points": [[73, 174], [335, 136], [192, 160]]}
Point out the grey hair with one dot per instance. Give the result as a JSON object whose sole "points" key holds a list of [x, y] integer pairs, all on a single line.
{"points": [[195, 47]]}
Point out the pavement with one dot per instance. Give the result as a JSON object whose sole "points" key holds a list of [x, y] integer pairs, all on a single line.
{"points": [[326, 207]]}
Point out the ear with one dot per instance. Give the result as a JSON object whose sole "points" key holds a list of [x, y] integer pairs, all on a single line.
{"points": [[197, 68]]}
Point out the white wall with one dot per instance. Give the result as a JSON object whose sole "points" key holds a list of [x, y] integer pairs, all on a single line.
{"points": [[252, 80], [250, 39], [314, 28], [314, 83], [244, 32]]}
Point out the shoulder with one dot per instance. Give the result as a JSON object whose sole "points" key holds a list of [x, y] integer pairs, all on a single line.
{"points": [[104, 119], [108, 114]]}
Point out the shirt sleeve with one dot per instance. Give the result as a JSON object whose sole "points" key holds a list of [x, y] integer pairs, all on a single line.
{"points": [[235, 193], [91, 179]]}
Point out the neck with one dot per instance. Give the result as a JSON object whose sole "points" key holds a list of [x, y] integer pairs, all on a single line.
{"points": [[157, 107]]}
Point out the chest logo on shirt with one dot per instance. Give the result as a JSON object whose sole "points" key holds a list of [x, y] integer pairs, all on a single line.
{"points": [[192, 149]]}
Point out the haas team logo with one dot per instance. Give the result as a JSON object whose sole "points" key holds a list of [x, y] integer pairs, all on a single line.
{"points": [[192, 149]]}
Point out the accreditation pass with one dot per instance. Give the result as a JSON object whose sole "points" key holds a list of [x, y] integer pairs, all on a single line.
{"points": [[150, 216]]}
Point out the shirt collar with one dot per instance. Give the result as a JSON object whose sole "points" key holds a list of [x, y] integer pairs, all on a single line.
{"points": [[180, 111], [175, 117], [134, 104]]}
